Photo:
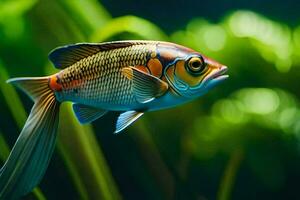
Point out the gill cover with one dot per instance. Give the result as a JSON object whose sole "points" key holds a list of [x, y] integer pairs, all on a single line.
{"points": [[186, 74]]}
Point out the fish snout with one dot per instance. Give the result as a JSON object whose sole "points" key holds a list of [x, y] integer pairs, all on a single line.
{"points": [[216, 76]]}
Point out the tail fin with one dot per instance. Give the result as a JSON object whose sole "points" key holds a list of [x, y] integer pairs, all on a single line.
{"points": [[32, 151]]}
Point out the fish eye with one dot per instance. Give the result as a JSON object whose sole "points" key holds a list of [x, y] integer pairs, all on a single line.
{"points": [[196, 65]]}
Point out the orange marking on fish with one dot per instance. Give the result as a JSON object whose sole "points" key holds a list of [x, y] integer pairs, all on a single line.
{"points": [[155, 67], [142, 68], [75, 83], [170, 73], [182, 73], [54, 83]]}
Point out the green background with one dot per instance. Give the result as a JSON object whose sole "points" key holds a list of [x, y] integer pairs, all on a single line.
{"points": [[239, 141]]}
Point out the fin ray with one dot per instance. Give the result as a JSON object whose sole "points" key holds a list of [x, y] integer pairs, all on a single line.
{"points": [[86, 114], [65, 56], [127, 118], [29, 86], [145, 86], [30, 156]]}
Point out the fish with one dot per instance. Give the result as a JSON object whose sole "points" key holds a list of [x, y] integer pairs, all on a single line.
{"points": [[129, 77]]}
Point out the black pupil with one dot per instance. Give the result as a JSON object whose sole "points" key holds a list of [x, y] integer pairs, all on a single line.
{"points": [[196, 64]]}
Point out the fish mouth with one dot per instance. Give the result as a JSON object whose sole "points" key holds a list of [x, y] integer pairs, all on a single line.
{"points": [[220, 74], [216, 76]]}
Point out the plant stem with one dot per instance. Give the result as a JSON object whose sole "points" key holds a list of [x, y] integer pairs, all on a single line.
{"points": [[154, 160], [229, 175]]}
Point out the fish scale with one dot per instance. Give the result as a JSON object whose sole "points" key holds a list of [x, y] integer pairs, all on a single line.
{"points": [[98, 79]]}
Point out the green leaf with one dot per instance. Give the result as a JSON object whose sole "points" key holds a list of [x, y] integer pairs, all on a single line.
{"points": [[131, 24], [11, 98]]}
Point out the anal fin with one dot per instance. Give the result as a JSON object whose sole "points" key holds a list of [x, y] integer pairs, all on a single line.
{"points": [[127, 118], [87, 114]]}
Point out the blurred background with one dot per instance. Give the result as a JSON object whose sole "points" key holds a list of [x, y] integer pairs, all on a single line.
{"points": [[239, 141]]}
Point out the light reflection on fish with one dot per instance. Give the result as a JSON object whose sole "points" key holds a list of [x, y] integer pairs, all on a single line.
{"points": [[128, 76]]}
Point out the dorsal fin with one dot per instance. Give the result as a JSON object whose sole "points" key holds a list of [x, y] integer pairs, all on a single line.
{"points": [[66, 56]]}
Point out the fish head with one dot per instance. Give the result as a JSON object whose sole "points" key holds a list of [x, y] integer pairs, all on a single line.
{"points": [[193, 74]]}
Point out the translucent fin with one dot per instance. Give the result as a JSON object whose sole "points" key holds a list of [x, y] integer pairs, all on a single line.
{"points": [[86, 114], [145, 86], [34, 87], [127, 118], [65, 56], [30, 156]]}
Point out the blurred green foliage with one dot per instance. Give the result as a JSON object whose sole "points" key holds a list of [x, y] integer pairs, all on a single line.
{"points": [[240, 141]]}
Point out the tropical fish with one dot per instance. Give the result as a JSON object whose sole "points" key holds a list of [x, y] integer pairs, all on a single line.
{"points": [[132, 77]]}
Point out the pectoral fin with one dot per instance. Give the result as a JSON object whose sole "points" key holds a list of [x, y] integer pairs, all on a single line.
{"points": [[86, 114], [127, 118], [145, 87]]}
